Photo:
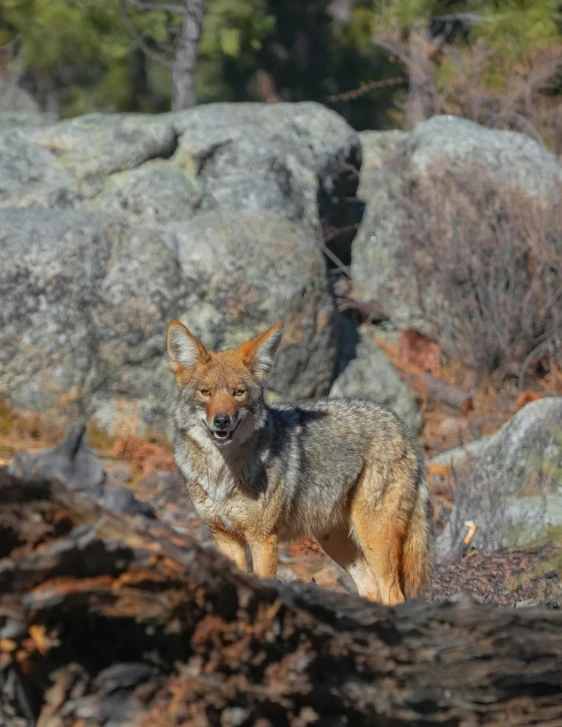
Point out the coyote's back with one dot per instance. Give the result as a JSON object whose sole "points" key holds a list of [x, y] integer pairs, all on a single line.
{"points": [[352, 467]]}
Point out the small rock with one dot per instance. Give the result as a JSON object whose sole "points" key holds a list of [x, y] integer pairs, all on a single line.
{"points": [[462, 599], [528, 603], [286, 575]]}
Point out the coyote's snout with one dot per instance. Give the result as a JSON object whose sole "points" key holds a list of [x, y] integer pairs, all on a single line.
{"points": [[344, 470]]}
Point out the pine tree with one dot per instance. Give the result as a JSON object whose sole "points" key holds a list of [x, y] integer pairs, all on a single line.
{"points": [[497, 63]]}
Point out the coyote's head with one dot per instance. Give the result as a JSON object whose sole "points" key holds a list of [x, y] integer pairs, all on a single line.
{"points": [[222, 392]]}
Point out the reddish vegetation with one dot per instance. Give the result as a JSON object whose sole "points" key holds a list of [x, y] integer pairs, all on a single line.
{"points": [[145, 457], [420, 351], [525, 397]]}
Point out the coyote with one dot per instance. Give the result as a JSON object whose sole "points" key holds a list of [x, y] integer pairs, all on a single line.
{"points": [[343, 470]]}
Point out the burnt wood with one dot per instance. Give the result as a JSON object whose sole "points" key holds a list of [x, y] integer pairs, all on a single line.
{"points": [[107, 619]]}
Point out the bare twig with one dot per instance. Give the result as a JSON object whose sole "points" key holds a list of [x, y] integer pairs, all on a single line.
{"points": [[366, 87], [335, 259], [138, 38]]}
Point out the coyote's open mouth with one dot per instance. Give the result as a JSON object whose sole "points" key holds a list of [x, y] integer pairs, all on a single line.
{"points": [[222, 436]]}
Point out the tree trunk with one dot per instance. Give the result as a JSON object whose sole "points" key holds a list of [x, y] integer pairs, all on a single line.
{"points": [[185, 58], [106, 619]]}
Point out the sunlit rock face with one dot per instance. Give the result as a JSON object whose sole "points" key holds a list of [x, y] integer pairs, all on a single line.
{"points": [[111, 225]]}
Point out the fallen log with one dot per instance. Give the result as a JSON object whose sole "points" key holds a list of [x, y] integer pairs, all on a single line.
{"points": [[107, 619]]}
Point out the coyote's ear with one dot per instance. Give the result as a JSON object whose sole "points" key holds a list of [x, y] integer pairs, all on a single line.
{"points": [[185, 352], [258, 353]]}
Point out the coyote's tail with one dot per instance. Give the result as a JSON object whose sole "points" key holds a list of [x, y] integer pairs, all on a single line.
{"points": [[418, 552]]}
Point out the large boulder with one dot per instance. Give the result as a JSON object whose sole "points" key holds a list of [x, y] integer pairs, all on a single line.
{"points": [[93, 147], [31, 176], [14, 99], [365, 373], [441, 181], [155, 192], [297, 161], [20, 119], [510, 483], [127, 221]]}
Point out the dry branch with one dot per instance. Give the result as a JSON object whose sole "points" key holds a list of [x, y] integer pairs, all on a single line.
{"points": [[108, 619]]}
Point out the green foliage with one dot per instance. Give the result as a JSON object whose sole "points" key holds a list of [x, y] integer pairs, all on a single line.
{"points": [[499, 69], [77, 47], [233, 27], [60, 30], [403, 13], [360, 29], [78, 56], [82, 51], [517, 26], [233, 34], [508, 26]]}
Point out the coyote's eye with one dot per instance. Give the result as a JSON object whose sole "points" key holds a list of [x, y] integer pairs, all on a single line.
{"points": [[204, 392], [239, 392]]}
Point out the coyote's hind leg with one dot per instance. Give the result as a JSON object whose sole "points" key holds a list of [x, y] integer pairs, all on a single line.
{"points": [[340, 547]]}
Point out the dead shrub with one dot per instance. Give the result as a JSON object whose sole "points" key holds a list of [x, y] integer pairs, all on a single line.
{"points": [[526, 101], [26, 425], [126, 446], [475, 81], [488, 266], [146, 457]]}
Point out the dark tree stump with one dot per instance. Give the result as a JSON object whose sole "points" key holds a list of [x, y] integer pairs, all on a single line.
{"points": [[111, 620]]}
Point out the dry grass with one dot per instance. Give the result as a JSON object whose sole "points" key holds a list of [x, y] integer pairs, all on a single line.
{"points": [[494, 403], [28, 430], [27, 426]]}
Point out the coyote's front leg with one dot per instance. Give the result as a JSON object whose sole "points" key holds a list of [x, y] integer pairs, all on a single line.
{"points": [[264, 555], [231, 545]]}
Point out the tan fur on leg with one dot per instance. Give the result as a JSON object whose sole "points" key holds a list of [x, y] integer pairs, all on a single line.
{"points": [[264, 556], [232, 546], [341, 548], [383, 549]]}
